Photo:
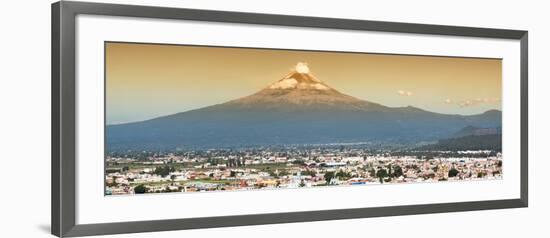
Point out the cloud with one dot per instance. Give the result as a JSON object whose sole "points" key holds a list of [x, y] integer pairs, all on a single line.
{"points": [[467, 103], [405, 93], [472, 102]]}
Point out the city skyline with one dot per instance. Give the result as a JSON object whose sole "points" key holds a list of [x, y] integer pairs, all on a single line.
{"points": [[145, 81]]}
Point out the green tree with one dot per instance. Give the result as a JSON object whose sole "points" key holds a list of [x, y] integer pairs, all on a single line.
{"points": [[114, 183], [372, 172], [381, 174], [453, 172], [329, 176], [397, 171], [298, 162], [140, 189], [309, 172], [164, 170], [343, 175]]}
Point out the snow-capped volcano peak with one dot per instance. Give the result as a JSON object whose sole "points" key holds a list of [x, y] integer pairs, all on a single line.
{"points": [[302, 68], [300, 78]]}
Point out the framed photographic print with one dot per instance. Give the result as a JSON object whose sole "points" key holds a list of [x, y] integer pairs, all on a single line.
{"points": [[167, 119]]}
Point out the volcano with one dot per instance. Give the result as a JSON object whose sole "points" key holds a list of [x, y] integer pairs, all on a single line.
{"points": [[295, 110], [301, 91]]}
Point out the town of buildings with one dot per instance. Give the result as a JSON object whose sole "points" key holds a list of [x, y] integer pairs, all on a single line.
{"points": [[220, 170]]}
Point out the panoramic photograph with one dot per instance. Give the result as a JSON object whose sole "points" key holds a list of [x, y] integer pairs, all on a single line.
{"points": [[184, 118]]}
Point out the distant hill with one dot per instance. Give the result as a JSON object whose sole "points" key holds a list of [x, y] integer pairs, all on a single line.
{"points": [[476, 131], [484, 142], [470, 138], [297, 109]]}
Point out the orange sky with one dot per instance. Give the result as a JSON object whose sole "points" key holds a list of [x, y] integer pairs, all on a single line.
{"points": [[144, 81]]}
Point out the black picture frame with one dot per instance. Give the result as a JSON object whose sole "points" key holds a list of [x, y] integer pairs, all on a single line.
{"points": [[63, 136]]}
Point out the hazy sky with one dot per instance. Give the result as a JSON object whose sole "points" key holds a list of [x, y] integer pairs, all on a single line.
{"points": [[144, 81]]}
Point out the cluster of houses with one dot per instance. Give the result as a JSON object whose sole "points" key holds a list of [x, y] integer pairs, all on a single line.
{"points": [[176, 173]]}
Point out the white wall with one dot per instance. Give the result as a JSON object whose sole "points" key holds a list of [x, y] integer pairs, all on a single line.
{"points": [[25, 118]]}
